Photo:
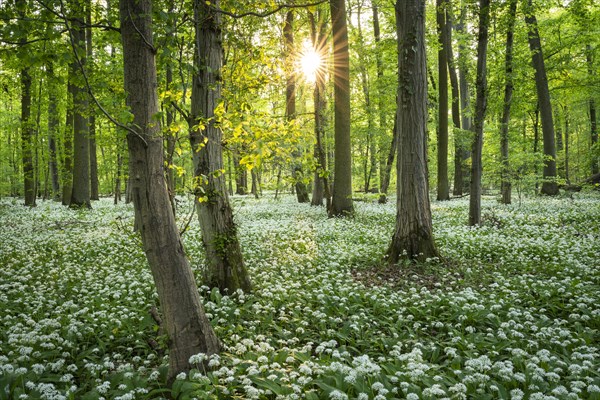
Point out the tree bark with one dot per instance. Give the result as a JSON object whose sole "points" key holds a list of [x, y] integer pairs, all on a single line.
{"points": [[413, 237], [67, 179], [383, 171], [480, 108], [549, 186], [341, 204], [186, 324], [506, 186], [385, 183], [225, 269], [80, 195], [443, 187], [465, 104]]}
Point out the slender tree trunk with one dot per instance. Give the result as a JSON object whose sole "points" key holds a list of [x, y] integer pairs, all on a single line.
{"points": [[27, 139], [225, 269], [465, 103], [80, 195], [549, 186], [593, 121], [342, 179], [241, 182], [67, 182], [380, 103], [443, 187], [480, 108], [53, 125], [290, 107], [567, 133], [385, 183], [413, 235], [94, 184], [508, 92], [187, 326], [118, 177], [454, 85]]}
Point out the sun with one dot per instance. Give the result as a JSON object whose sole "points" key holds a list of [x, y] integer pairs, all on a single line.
{"points": [[310, 62]]}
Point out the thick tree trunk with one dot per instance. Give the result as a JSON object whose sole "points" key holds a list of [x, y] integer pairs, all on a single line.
{"points": [[80, 195], [480, 108], [225, 269], [413, 237], [186, 324], [508, 92], [443, 187], [341, 204], [53, 125], [27, 139], [380, 104], [549, 186]]}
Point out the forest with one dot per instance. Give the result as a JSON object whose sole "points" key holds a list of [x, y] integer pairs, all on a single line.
{"points": [[299, 199]]}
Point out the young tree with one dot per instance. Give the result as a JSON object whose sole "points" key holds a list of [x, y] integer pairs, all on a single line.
{"points": [[413, 236], [225, 269], [187, 326], [480, 108], [549, 186], [342, 177], [508, 91]]}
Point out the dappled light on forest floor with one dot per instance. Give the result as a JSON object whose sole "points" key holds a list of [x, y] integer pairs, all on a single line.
{"points": [[510, 311]]}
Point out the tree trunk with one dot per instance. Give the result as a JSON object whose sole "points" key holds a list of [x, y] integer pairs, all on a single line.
{"points": [[53, 124], [342, 178], [67, 183], [508, 92], [290, 107], [118, 177], [385, 183], [27, 139], [443, 187], [567, 133], [593, 121], [480, 108], [225, 269], [187, 326], [413, 237], [465, 104], [454, 85], [549, 186], [94, 190], [80, 195], [241, 180]]}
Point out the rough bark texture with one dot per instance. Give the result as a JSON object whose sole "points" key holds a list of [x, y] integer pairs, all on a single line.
{"points": [[187, 327], [480, 108], [80, 195], [508, 92], [549, 186], [380, 103], [225, 269], [413, 237], [341, 204], [443, 186]]}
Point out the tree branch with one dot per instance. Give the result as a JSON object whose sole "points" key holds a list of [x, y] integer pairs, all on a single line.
{"points": [[267, 13]]}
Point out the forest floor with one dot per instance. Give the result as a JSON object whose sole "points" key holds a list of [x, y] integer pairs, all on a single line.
{"points": [[512, 311]]}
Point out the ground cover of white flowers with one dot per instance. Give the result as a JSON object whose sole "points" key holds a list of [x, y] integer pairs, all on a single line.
{"points": [[511, 312]]}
